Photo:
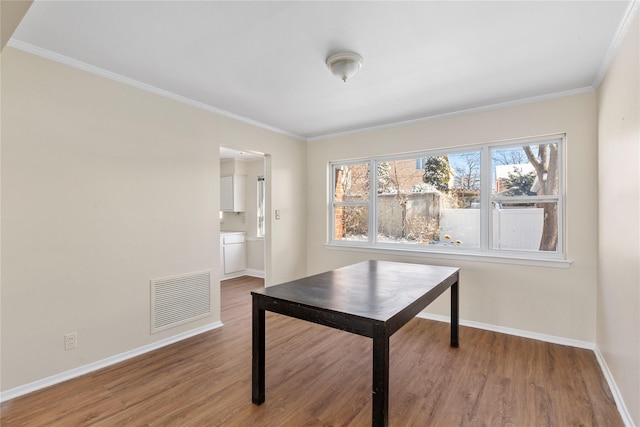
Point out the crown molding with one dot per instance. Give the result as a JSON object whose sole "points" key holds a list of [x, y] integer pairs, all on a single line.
{"points": [[62, 59], [523, 101], [629, 14]]}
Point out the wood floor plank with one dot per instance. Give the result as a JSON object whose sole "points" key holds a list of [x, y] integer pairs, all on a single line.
{"points": [[317, 376]]}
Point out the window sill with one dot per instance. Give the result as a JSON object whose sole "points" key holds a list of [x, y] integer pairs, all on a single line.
{"points": [[473, 257]]}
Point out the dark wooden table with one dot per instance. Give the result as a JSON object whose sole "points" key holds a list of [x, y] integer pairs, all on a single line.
{"points": [[371, 298]]}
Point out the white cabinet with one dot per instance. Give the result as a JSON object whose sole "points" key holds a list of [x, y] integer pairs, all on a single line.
{"points": [[233, 255], [234, 258], [233, 190]]}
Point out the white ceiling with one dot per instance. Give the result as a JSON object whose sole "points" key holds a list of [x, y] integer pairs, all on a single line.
{"points": [[264, 61]]}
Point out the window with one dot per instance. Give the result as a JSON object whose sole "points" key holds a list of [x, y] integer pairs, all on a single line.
{"points": [[525, 197], [492, 199], [351, 202], [261, 208]]}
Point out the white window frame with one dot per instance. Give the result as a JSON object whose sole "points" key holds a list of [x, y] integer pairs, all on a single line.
{"points": [[260, 202], [367, 204], [486, 252]]}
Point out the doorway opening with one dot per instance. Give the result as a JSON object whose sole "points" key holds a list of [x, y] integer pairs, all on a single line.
{"points": [[252, 170]]}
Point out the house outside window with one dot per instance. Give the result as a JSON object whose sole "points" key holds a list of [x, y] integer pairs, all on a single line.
{"points": [[501, 198]]}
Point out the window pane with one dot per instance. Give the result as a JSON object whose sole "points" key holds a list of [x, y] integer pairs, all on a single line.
{"points": [[466, 170], [525, 170], [460, 226], [531, 227], [351, 223], [408, 208], [352, 183], [425, 201], [260, 207], [460, 216]]}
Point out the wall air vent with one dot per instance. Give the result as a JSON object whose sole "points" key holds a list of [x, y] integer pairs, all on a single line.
{"points": [[180, 299]]}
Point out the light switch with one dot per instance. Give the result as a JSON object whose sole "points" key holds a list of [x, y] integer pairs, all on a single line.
{"points": [[277, 213]]}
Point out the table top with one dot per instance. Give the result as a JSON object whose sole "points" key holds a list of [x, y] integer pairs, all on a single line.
{"points": [[375, 290]]}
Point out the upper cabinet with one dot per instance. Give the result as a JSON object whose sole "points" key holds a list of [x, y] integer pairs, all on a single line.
{"points": [[233, 190]]}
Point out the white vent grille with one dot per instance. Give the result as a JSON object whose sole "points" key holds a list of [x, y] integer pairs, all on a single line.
{"points": [[180, 299]]}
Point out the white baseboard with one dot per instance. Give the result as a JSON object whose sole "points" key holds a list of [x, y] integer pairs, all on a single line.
{"points": [[91, 367], [248, 272], [510, 331], [233, 275], [622, 408], [254, 273], [615, 391]]}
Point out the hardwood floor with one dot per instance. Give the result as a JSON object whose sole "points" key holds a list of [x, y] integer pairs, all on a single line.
{"points": [[317, 376]]}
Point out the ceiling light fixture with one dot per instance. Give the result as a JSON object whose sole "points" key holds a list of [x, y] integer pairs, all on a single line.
{"points": [[344, 65]]}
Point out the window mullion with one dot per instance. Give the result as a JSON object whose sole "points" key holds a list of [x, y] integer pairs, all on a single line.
{"points": [[486, 225], [561, 197], [332, 204], [525, 199], [373, 196], [351, 204]]}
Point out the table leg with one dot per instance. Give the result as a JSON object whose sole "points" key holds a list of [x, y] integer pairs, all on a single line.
{"points": [[258, 355], [380, 397], [454, 315]]}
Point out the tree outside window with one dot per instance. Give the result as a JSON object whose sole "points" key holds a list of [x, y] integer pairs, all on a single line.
{"points": [[442, 201], [531, 185]]}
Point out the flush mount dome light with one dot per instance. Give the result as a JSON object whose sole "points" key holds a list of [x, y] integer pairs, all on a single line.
{"points": [[344, 65]]}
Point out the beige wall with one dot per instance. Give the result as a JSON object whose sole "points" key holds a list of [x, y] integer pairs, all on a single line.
{"points": [[543, 300], [618, 323], [105, 187], [285, 172]]}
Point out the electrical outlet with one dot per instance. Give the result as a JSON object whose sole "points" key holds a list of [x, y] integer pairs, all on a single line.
{"points": [[70, 341]]}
